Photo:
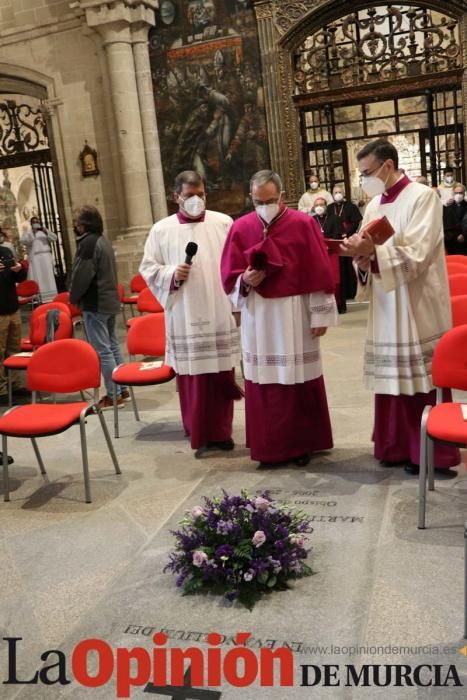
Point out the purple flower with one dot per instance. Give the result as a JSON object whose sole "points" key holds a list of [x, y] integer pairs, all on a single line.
{"points": [[258, 538], [199, 558], [180, 580], [224, 552]]}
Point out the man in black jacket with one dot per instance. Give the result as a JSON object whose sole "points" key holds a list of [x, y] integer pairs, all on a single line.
{"points": [[94, 289], [11, 272], [454, 223]]}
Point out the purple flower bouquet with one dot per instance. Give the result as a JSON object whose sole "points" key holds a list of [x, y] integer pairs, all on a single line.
{"points": [[241, 547]]}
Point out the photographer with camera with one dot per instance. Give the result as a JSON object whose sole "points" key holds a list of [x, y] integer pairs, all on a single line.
{"points": [[11, 272]]}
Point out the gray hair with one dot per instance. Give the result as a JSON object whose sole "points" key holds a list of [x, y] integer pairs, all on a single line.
{"points": [[262, 177]]}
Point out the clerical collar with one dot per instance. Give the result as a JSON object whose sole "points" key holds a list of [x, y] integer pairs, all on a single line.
{"points": [[182, 219], [393, 192], [276, 218]]}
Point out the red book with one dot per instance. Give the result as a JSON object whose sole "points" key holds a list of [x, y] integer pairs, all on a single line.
{"points": [[380, 230], [334, 246]]}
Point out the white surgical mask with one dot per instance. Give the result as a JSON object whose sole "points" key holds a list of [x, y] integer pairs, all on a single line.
{"points": [[459, 198], [338, 197], [268, 211], [449, 179], [314, 185], [194, 206], [320, 210], [36, 226]]}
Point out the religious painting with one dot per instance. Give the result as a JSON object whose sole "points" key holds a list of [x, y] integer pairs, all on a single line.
{"points": [[209, 97], [88, 158]]}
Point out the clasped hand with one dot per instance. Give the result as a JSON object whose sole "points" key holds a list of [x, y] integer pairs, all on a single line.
{"points": [[360, 245], [253, 278]]}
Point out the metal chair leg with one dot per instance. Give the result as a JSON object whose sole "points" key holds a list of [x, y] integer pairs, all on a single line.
{"points": [[114, 397], [132, 312], [430, 453], [6, 480], [422, 477], [10, 388], [133, 401], [38, 456], [109, 442], [84, 454], [465, 580]]}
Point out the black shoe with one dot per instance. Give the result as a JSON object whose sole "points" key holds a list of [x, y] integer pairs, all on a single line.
{"points": [[225, 445], [10, 459], [446, 473], [303, 460]]}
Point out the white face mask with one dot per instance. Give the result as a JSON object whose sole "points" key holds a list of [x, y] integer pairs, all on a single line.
{"points": [[36, 227], [449, 179], [459, 198], [338, 197], [268, 211], [314, 185], [194, 206], [320, 210]]}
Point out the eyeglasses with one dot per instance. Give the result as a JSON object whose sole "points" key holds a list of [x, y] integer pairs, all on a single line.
{"points": [[367, 174], [259, 202], [202, 195]]}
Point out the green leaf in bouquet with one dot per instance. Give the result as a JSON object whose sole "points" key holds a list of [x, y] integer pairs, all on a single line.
{"points": [[271, 582]]}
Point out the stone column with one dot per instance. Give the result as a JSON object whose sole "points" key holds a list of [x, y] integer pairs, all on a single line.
{"points": [[139, 37], [113, 23]]}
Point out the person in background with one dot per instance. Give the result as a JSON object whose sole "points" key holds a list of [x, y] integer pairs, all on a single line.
{"points": [[11, 272], [446, 187], [94, 289], [307, 200], [37, 242], [455, 223], [406, 282], [203, 343], [286, 304], [6, 239], [331, 226], [350, 216]]}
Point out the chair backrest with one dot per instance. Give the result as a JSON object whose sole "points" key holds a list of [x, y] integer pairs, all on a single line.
{"points": [[43, 308], [148, 302], [38, 327], [462, 259], [28, 288], [457, 284], [459, 310], [455, 268], [63, 367], [64, 298], [146, 336], [449, 366], [137, 284]]}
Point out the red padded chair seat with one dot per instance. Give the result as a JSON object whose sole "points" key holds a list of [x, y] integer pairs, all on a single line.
{"points": [[17, 362], [131, 373], [40, 419], [130, 299], [445, 422], [25, 345]]}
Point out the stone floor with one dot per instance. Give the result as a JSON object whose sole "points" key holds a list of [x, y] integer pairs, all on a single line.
{"points": [[70, 571]]}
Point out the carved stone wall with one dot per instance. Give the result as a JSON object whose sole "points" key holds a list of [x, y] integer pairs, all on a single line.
{"points": [[282, 27]]}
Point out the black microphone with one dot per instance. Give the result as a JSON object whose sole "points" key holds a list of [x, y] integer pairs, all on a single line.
{"points": [[190, 251]]}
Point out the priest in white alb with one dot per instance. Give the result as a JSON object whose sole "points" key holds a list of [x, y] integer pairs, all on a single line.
{"points": [[275, 269], [405, 280], [202, 337]]}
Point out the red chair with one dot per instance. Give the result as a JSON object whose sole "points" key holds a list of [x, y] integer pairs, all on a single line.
{"points": [[76, 315], [22, 360], [147, 303], [462, 259], [455, 268], [28, 293], [459, 310], [146, 337], [445, 421], [137, 284], [26, 344], [457, 285], [65, 366]]}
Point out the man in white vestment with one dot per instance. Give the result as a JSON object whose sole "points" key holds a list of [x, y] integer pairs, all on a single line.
{"points": [[447, 186], [406, 282], [202, 337], [307, 200], [38, 243]]}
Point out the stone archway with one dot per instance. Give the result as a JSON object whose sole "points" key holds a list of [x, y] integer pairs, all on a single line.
{"points": [[282, 26]]}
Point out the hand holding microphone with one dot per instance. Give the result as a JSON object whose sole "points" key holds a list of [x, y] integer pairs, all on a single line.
{"points": [[182, 271]]}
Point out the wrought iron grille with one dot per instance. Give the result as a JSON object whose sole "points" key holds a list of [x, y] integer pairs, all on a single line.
{"points": [[377, 44], [22, 128]]}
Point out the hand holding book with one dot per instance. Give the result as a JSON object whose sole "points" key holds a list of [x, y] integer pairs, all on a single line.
{"points": [[363, 243]]}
